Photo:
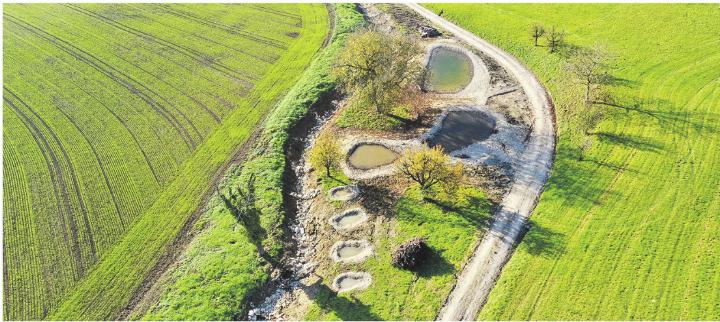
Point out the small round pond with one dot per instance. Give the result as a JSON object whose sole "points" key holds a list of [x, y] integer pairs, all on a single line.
{"points": [[344, 193], [349, 219], [448, 71], [369, 155], [461, 128], [349, 281], [351, 251]]}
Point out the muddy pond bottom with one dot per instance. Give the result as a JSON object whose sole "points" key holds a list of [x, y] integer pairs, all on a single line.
{"points": [[448, 71], [463, 128], [369, 156]]}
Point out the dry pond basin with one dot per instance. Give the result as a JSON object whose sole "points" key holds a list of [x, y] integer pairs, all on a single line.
{"points": [[461, 128]]}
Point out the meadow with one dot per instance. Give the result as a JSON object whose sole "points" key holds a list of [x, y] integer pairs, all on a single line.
{"points": [[117, 119], [451, 227], [630, 232]]}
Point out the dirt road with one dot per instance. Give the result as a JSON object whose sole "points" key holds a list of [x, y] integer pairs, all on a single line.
{"points": [[479, 275]]}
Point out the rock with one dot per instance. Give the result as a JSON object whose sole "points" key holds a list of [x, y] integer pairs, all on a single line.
{"points": [[428, 32]]}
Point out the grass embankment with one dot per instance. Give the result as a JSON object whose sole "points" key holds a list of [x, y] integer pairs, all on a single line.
{"points": [[451, 227], [198, 47], [631, 232], [221, 266], [116, 114]]}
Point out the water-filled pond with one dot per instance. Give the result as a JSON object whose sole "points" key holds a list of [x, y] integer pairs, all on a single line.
{"points": [[351, 251], [344, 193], [349, 219], [462, 128], [448, 71], [348, 251], [369, 156]]}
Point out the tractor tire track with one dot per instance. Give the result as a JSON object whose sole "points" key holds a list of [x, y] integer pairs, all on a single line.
{"points": [[126, 81], [270, 59], [186, 51], [119, 213], [279, 13], [72, 175], [59, 187], [229, 29], [124, 124]]}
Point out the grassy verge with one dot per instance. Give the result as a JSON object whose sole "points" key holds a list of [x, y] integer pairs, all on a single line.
{"points": [[357, 116], [631, 232], [451, 228], [111, 283], [221, 267]]}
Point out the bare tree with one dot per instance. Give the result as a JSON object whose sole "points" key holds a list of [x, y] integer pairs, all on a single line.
{"points": [[378, 68], [555, 39], [590, 68], [537, 31]]}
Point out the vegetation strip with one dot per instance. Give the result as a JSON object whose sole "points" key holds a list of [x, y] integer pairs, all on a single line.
{"points": [[222, 263]]}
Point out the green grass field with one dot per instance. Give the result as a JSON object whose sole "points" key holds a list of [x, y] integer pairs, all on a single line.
{"points": [[632, 231], [451, 229], [116, 119]]}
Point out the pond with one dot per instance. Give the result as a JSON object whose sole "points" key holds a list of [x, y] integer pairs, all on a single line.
{"points": [[462, 128], [448, 71], [351, 281], [349, 219], [369, 156]]}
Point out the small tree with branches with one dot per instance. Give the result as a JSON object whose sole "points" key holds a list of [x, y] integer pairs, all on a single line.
{"points": [[555, 39], [325, 153], [431, 167], [537, 31], [591, 69]]}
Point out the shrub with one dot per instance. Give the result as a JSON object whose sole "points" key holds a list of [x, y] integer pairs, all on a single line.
{"points": [[410, 254]]}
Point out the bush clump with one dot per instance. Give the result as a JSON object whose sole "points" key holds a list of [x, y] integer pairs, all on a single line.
{"points": [[410, 254]]}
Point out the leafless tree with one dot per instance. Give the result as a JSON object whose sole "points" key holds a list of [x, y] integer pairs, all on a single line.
{"points": [[555, 39], [537, 31], [590, 68]]}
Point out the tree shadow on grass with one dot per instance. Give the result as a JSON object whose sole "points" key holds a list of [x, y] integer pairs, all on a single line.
{"points": [[668, 116], [434, 264], [574, 181], [344, 308], [630, 141], [377, 199], [543, 241], [469, 214]]}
